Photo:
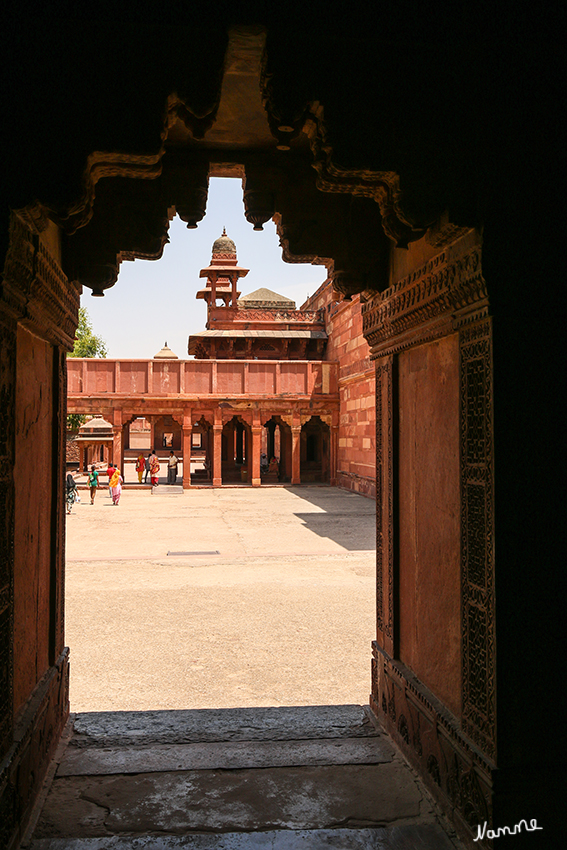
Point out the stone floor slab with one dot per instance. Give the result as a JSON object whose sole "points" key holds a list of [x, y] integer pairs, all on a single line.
{"points": [[224, 801], [124, 728], [224, 755], [410, 837]]}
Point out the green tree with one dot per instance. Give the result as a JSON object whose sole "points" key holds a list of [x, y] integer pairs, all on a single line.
{"points": [[87, 343]]}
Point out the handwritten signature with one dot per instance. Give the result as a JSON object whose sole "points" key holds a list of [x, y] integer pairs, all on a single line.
{"points": [[483, 832]]}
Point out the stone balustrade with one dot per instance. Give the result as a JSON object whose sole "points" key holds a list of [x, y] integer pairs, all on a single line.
{"points": [[198, 378]]}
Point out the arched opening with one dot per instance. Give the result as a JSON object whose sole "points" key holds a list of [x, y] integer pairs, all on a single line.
{"points": [[367, 222], [167, 435], [276, 463], [201, 451], [315, 446], [236, 451]]}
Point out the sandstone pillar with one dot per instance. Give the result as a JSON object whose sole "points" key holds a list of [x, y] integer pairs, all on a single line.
{"points": [[186, 437], [296, 454], [254, 467], [117, 446], [217, 450]]}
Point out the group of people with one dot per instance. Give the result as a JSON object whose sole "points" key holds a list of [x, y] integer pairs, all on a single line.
{"points": [[273, 466], [115, 482], [150, 466]]}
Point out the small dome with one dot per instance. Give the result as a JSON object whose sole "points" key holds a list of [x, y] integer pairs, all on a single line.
{"points": [[166, 354], [224, 245]]}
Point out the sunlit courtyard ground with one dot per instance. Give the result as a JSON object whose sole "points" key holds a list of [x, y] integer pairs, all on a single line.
{"points": [[283, 615]]}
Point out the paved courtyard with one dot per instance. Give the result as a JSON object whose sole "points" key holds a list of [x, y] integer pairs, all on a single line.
{"points": [[246, 614], [281, 614]]}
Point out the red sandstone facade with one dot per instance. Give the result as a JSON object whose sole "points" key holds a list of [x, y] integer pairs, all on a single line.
{"points": [[356, 455], [256, 377]]}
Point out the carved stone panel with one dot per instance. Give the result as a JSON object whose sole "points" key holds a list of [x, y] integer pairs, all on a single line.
{"points": [[477, 538], [385, 529]]}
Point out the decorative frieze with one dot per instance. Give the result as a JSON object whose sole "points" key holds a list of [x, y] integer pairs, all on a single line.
{"points": [[35, 290], [385, 502], [458, 774], [440, 296]]}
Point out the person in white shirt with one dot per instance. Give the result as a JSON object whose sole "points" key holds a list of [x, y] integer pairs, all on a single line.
{"points": [[172, 462]]}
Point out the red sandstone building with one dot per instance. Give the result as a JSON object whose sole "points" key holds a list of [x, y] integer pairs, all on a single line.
{"points": [[267, 380]]}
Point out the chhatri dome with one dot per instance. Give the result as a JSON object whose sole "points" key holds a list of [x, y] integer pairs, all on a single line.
{"points": [[223, 245], [165, 354]]}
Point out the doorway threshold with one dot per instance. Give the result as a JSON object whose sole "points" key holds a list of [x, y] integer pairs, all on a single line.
{"points": [[279, 778]]}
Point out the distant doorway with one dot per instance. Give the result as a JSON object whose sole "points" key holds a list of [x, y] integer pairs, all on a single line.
{"points": [[315, 442], [236, 451], [275, 464]]}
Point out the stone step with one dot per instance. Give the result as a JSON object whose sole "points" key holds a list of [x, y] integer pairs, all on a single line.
{"points": [[132, 728], [409, 837], [225, 755]]}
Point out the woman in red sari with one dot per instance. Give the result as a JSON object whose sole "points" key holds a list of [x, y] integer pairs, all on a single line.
{"points": [[115, 486], [154, 469]]}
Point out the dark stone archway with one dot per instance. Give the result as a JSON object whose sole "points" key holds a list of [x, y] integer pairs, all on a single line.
{"points": [[381, 151]]}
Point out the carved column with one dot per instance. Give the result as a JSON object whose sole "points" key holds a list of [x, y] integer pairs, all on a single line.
{"points": [[117, 439], [187, 435], [254, 465], [217, 449], [295, 452]]}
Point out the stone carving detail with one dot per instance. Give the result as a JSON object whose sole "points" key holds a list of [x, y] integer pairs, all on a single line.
{"points": [[259, 207], [477, 541], [384, 500], [383, 186], [417, 736], [303, 316], [442, 289], [403, 728], [35, 288], [433, 769], [379, 503], [466, 794]]}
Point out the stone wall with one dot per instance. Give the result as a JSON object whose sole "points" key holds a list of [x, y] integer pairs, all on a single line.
{"points": [[356, 461]]}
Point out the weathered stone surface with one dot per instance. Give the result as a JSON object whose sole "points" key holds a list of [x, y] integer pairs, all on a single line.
{"points": [[124, 728], [224, 755], [410, 837], [283, 798]]}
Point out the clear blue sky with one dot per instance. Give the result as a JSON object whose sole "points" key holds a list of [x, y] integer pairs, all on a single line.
{"points": [[154, 302]]}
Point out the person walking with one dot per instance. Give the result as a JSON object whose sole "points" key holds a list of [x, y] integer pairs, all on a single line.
{"points": [[93, 483], [172, 463], [116, 486], [140, 466], [154, 469], [110, 472], [70, 492], [147, 468]]}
